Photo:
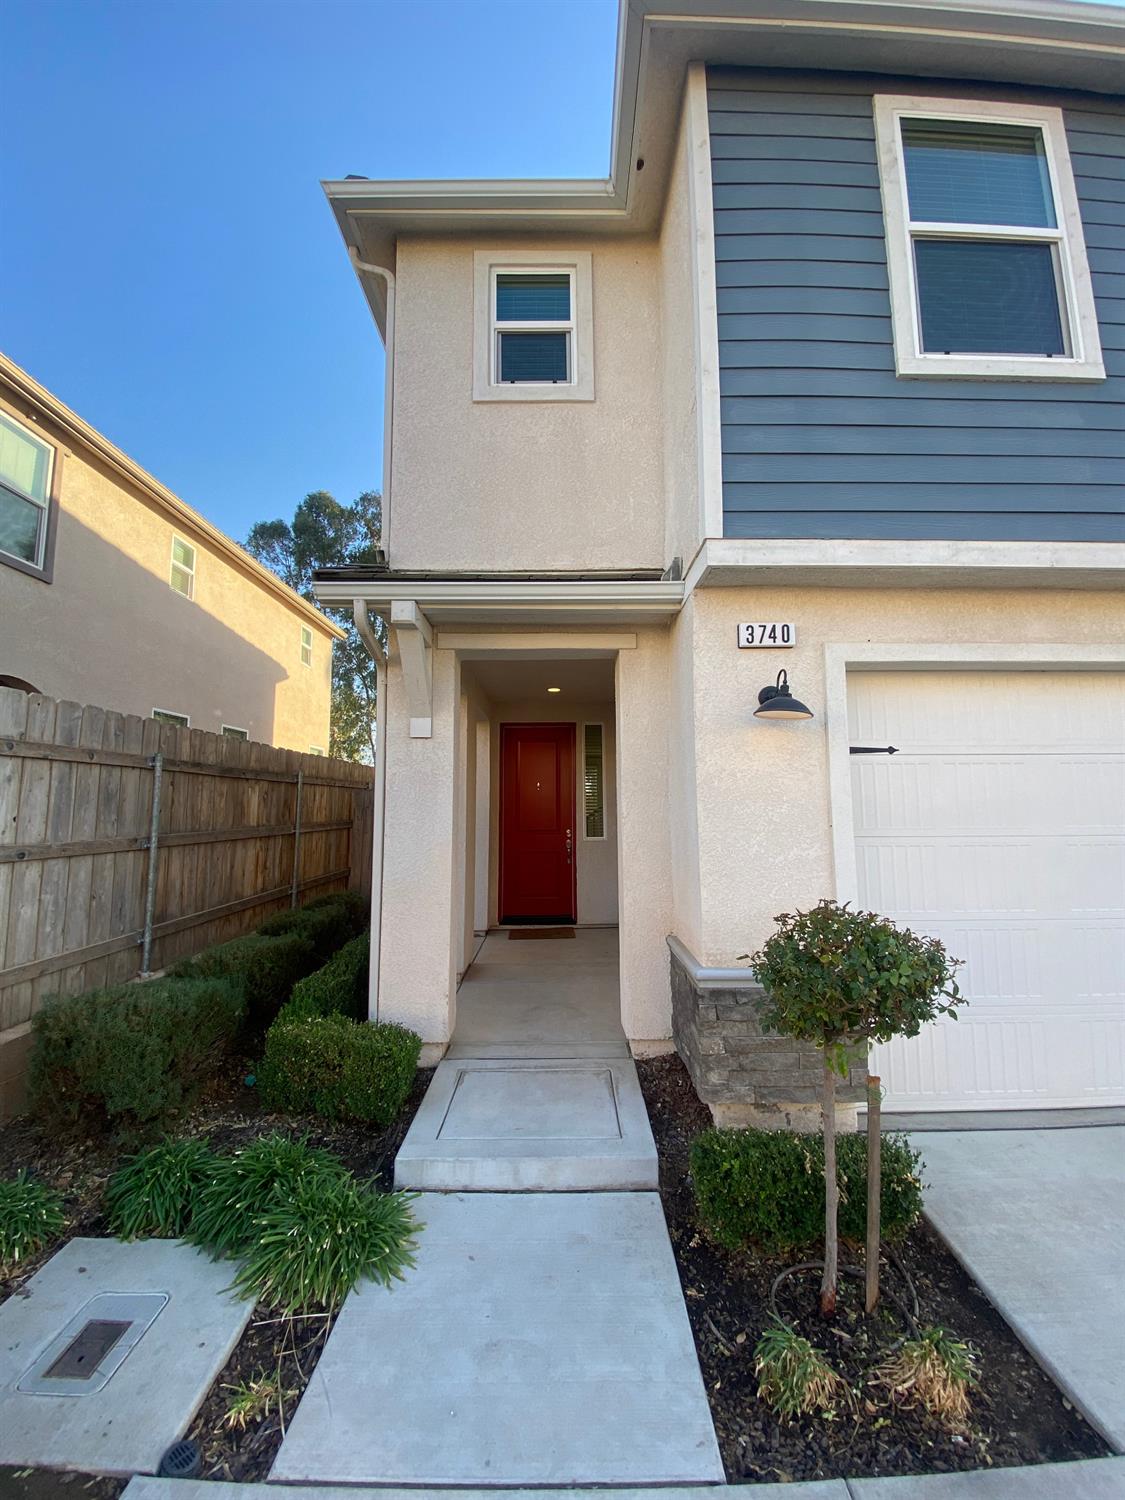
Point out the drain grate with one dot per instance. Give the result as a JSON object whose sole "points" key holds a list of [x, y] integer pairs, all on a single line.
{"points": [[83, 1355]]}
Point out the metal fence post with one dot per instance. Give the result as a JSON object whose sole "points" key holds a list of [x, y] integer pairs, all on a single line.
{"points": [[297, 840], [153, 859]]}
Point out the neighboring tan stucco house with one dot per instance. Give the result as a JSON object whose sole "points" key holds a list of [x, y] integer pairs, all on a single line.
{"points": [[114, 592], [826, 378]]}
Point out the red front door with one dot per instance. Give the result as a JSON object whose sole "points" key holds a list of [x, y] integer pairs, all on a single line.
{"points": [[537, 822]]}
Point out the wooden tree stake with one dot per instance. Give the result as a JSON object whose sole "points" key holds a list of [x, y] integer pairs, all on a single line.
{"points": [[874, 1187]]}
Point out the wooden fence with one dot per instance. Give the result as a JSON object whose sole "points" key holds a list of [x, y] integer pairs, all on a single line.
{"points": [[86, 890]]}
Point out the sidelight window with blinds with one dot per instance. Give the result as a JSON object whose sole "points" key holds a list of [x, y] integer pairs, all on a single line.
{"points": [[986, 259], [593, 781]]}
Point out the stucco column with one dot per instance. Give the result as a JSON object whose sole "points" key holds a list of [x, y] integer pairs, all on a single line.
{"points": [[644, 865], [417, 982]]}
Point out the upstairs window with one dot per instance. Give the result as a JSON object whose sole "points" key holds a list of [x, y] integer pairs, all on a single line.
{"points": [[987, 264], [232, 732], [533, 328], [182, 574], [306, 645], [168, 716], [26, 466]]}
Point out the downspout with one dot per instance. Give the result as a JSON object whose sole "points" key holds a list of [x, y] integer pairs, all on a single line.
{"points": [[365, 268], [379, 656]]}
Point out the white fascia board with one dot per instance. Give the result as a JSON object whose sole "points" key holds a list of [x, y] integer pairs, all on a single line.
{"points": [[733, 562], [462, 598]]}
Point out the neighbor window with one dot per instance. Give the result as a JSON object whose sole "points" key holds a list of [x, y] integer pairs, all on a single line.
{"points": [[533, 328], [166, 716], [306, 645], [26, 465], [315, 750], [182, 575], [593, 780], [987, 264], [233, 733]]}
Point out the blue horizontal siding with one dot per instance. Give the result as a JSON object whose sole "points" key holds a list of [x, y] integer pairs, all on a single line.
{"points": [[820, 437]]}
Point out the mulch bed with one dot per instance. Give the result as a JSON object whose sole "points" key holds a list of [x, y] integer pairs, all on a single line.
{"points": [[230, 1115], [1018, 1414]]}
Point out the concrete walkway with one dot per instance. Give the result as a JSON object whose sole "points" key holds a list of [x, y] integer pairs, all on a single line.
{"points": [[542, 1338], [1037, 1217]]}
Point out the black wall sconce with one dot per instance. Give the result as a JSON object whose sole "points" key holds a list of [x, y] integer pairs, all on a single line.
{"points": [[777, 702]]}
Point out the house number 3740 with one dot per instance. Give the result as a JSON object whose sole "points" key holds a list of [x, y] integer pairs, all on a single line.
{"points": [[766, 633]]}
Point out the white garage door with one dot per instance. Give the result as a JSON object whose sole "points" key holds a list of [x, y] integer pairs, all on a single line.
{"points": [[1000, 828]]}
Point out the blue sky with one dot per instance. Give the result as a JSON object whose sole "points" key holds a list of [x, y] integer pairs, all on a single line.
{"points": [[169, 265]]}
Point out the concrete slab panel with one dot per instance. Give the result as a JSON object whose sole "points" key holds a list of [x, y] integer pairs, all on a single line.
{"points": [[1092, 1479], [150, 1400], [146, 1488], [1037, 1217], [542, 1339], [530, 1125]]}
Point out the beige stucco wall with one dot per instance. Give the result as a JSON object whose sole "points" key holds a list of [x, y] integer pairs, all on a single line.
{"points": [[765, 836], [536, 484], [109, 630]]}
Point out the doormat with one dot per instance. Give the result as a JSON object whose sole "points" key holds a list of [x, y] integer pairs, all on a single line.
{"points": [[522, 933]]}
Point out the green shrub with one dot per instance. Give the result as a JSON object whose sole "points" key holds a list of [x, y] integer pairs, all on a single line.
{"points": [[766, 1187], [131, 1056], [265, 968], [242, 1186], [358, 906], [316, 1242], [154, 1195], [31, 1216], [340, 1069], [328, 924], [338, 989]]}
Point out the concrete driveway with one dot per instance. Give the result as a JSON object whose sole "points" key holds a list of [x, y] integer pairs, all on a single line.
{"points": [[1037, 1217]]}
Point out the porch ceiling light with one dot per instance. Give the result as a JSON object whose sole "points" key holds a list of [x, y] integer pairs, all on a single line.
{"points": [[776, 702], [554, 690]]}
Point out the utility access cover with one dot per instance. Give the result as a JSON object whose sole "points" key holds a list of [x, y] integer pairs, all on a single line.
{"points": [[88, 1350]]}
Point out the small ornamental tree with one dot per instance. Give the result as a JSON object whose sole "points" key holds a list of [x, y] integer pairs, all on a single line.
{"points": [[836, 977]]}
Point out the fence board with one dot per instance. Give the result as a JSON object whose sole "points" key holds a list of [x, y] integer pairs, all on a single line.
{"points": [[76, 786]]}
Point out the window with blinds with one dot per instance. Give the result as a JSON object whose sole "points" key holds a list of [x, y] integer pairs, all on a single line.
{"points": [[182, 574], [26, 463], [985, 254], [593, 780], [533, 327]]}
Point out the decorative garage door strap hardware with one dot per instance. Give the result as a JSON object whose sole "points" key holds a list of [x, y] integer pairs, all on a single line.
{"points": [[873, 750]]}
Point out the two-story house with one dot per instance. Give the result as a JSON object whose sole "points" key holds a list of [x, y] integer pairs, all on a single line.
{"points": [[822, 390], [114, 592]]}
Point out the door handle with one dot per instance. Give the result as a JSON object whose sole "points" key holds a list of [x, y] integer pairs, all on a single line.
{"points": [[569, 845]]}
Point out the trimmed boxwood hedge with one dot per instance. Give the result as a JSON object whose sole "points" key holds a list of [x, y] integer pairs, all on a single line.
{"points": [[131, 1056], [765, 1188], [339, 1069], [328, 922], [266, 968], [337, 989]]}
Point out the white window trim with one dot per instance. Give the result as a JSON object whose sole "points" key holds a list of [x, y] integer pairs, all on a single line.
{"points": [[234, 730], [315, 750], [592, 838], [306, 640], [185, 717], [173, 562], [1079, 314], [579, 266], [39, 563]]}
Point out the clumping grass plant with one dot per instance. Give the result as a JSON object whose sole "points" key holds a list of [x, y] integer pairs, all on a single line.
{"points": [[155, 1193], [313, 1244], [793, 1377], [935, 1371], [252, 1400], [244, 1186], [31, 1215]]}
